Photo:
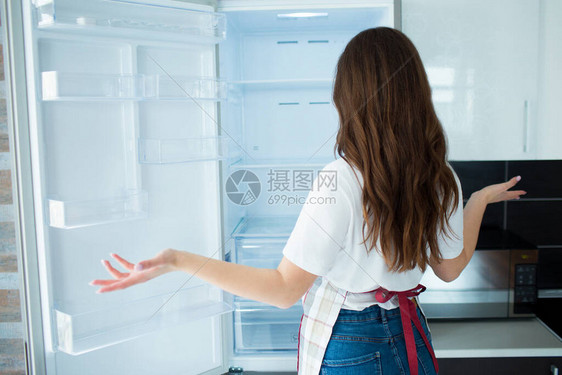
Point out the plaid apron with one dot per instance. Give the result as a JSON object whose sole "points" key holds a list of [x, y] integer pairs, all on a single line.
{"points": [[322, 304]]}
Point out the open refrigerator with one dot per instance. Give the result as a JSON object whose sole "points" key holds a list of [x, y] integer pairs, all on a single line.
{"points": [[166, 124]]}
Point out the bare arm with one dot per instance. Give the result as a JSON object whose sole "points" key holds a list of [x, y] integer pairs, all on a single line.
{"points": [[281, 287], [449, 269]]}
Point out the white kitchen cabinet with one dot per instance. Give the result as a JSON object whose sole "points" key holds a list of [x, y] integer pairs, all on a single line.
{"points": [[549, 132], [482, 60]]}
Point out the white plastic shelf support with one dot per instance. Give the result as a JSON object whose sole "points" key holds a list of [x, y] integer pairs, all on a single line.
{"points": [[74, 214]]}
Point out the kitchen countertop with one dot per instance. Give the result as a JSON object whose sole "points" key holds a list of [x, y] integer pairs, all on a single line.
{"points": [[523, 337], [485, 338], [495, 238]]}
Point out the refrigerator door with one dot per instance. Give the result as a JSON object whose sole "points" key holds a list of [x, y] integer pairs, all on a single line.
{"points": [[126, 152]]}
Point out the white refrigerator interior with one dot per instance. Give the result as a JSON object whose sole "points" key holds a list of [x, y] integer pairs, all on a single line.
{"points": [[140, 111]]}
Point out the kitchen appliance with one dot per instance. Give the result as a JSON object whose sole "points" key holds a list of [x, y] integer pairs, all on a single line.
{"points": [[500, 281], [156, 124], [549, 303]]}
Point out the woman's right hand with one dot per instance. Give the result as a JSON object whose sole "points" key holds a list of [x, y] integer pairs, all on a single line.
{"points": [[500, 192], [138, 273]]}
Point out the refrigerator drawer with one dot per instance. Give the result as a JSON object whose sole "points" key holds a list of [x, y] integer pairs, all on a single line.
{"points": [[260, 327], [260, 252], [259, 241]]}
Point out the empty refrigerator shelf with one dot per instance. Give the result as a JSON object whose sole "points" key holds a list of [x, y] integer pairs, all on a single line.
{"points": [[280, 84], [281, 163], [163, 151], [126, 19], [260, 327], [81, 332], [74, 214], [63, 86], [265, 226]]}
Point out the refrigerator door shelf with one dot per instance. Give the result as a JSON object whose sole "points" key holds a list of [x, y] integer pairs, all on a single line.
{"points": [[260, 328], [81, 332], [74, 214], [129, 19], [166, 151], [182, 88], [60, 86]]}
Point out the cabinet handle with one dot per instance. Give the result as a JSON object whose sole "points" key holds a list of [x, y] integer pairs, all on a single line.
{"points": [[526, 121]]}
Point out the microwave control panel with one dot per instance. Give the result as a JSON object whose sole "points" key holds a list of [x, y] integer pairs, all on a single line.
{"points": [[525, 283]]}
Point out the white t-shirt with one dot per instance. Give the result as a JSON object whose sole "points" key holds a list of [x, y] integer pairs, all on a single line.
{"points": [[326, 240]]}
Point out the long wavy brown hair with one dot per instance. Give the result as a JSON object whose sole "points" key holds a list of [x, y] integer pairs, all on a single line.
{"points": [[389, 131]]}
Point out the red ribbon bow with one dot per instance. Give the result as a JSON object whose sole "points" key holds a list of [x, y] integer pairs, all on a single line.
{"points": [[408, 314]]}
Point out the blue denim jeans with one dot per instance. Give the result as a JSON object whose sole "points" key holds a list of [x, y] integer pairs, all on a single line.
{"points": [[371, 341]]}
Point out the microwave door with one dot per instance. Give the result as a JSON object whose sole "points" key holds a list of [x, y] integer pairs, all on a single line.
{"points": [[481, 291]]}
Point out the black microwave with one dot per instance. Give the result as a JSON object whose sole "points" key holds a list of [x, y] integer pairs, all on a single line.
{"points": [[549, 284], [500, 281]]}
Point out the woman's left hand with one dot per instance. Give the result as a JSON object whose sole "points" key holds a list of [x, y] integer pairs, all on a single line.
{"points": [[162, 263]]}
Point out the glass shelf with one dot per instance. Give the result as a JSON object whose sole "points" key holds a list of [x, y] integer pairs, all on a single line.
{"points": [[280, 84], [163, 151], [265, 226], [74, 214], [259, 327], [128, 19], [280, 163], [81, 332], [81, 86]]}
